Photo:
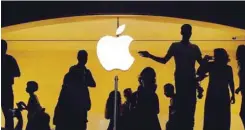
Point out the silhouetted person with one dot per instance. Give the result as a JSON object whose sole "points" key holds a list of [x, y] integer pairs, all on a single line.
{"points": [[110, 110], [240, 56], [185, 55], [217, 112], [37, 118], [169, 93], [126, 119], [10, 70], [146, 107], [74, 100]]}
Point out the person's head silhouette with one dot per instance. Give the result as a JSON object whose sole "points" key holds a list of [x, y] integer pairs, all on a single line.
{"points": [[147, 77], [4, 47], [186, 32], [221, 56], [82, 57], [112, 97], [127, 93], [168, 90], [32, 87], [240, 55]]}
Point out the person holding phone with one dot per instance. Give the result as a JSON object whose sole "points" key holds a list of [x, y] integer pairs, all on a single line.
{"points": [[217, 111]]}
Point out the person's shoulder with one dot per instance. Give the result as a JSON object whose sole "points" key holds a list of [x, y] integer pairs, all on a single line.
{"points": [[88, 70], [194, 45], [72, 68], [9, 57], [175, 44]]}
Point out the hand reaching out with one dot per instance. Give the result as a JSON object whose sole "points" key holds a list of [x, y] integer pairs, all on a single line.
{"points": [[144, 54]]}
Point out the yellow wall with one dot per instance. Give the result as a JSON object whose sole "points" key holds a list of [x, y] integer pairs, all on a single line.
{"points": [[47, 61]]}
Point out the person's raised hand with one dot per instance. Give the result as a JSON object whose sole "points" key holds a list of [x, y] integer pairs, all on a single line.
{"points": [[22, 105], [144, 53]]}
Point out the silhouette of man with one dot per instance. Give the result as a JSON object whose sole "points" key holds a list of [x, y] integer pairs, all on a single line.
{"points": [[185, 55], [74, 101], [10, 70]]}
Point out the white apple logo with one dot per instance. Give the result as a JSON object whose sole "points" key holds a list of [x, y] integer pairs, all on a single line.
{"points": [[113, 52]]}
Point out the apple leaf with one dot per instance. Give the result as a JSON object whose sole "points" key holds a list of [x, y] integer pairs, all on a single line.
{"points": [[120, 29]]}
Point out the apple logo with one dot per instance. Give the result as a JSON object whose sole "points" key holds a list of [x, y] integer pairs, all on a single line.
{"points": [[113, 52]]}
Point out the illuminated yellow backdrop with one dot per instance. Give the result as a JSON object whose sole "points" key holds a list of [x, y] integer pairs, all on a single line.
{"points": [[53, 45]]}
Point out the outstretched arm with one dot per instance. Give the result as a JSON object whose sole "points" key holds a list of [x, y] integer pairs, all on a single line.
{"points": [[162, 60]]}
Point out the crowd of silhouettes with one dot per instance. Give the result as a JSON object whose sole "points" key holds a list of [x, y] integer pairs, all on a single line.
{"points": [[141, 108]]}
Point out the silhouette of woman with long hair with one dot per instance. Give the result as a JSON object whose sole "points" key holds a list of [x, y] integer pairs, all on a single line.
{"points": [[240, 56], [217, 113], [146, 104], [110, 110]]}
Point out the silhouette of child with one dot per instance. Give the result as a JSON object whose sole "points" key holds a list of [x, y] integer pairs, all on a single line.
{"points": [[33, 105], [37, 118], [169, 93], [126, 119]]}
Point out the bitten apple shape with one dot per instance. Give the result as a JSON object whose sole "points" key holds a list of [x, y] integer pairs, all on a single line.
{"points": [[113, 52]]}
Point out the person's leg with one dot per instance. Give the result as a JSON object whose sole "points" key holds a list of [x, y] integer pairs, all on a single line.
{"points": [[192, 115], [185, 102], [7, 104], [180, 103], [110, 127], [84, 120], [242, 112]]}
